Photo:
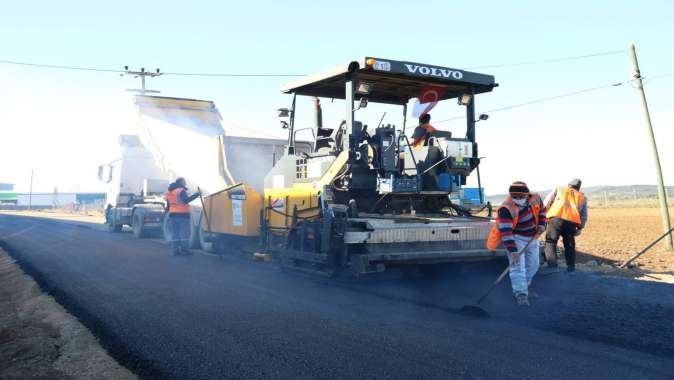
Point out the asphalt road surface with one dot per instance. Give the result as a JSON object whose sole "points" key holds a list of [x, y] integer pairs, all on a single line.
{"points": [[206, 317]]}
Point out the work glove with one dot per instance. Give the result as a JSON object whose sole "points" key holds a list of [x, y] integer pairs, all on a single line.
{"points": [[578, 231]]}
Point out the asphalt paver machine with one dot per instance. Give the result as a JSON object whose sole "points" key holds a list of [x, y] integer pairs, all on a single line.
{"points": [[363, 198]]}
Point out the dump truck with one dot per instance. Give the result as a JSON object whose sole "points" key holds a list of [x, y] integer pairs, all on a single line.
{"points": [[363, 199], [136, 185], [178, 137]]}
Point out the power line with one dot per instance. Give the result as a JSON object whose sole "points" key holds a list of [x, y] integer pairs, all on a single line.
{"points": [[244, 75], [97, 69], [541, 100], [235, 75], [660, 76], [552, 60], [61, 67]]}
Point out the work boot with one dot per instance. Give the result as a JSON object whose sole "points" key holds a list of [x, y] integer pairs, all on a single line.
{"points": [[522, 299]]}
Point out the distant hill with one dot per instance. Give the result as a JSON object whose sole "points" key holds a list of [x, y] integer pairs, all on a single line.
{"points": [[597, 192]]}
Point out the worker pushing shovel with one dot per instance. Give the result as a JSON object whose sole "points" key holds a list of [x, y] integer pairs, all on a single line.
{"points": [[520, 219]]}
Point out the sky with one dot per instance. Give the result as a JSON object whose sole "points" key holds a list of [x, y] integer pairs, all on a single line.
{"points": [[62, 124]]}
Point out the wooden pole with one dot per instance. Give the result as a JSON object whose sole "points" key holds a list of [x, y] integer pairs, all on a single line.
{"points": [[662, 195]]}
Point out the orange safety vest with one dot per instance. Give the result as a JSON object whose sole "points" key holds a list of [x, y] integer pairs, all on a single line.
{"points": [[429, 129], [175, 205], [494, 238], [567, 205]]}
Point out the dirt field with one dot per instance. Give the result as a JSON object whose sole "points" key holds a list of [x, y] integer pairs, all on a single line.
{"points": [[40, 340], [614, 234]]}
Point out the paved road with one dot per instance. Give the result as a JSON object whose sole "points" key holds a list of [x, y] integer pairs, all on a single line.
{"points": [[208, 317]]}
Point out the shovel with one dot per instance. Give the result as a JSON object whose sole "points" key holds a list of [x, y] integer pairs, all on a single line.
{"points": [[203, 210], [478, 311]]}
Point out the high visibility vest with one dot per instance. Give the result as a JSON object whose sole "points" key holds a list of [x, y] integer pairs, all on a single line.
{"points": [[536, 203], [419, 140], [567, 205], [176, 206]]}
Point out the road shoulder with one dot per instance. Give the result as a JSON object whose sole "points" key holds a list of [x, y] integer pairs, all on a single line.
{"points": [[40, 339]]}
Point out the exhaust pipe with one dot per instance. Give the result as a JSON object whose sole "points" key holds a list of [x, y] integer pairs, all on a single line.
{"points": [[318, 114]]}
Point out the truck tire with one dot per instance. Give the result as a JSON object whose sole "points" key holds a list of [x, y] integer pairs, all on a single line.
{"points": [[195, 241], [112, 223], [208, 246], [166, 228], [138, 225]]}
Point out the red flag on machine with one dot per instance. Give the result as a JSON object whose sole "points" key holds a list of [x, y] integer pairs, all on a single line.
{"points": [[427, 99]]}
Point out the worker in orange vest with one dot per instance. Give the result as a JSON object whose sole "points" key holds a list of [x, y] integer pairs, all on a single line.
{"points": [[519, 221], [423, 132], [179, 215], [567, 214]]}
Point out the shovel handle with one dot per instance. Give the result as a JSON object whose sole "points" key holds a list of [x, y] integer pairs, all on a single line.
{"points": [[203, 209], [504, 273]]}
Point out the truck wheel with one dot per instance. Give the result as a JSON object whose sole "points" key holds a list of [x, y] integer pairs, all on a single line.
{"points": [[208, 246], [194, 242], [166, 228], [112, 224], [138, 225]]}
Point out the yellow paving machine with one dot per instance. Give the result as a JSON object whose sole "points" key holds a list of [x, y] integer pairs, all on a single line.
{"points": [[361, 198]]}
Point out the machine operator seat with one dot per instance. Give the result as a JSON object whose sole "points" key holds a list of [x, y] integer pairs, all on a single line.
{"points": [[431, 180], [328, 139], [324, 139]]}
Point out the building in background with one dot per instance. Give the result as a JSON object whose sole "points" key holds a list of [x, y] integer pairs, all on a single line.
{"points": [[53, 200], [7, 194]]}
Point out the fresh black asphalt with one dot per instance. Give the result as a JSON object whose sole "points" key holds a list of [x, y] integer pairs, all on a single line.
{"points": [[206, 317]]}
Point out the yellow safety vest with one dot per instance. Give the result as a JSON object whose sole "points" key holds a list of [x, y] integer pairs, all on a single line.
{"points": [[567, 205]]}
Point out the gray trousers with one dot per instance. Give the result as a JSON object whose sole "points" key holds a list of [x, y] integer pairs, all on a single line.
{"points": [[522, 273], [180, 231]]}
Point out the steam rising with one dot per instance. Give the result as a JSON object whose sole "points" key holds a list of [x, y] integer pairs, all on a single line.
{"points": [[184, 146]]}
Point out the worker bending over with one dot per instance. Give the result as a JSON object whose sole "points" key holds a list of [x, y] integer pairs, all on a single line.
{"points": [[520, 219], [423, 131], [567, 211], [179, 215]]}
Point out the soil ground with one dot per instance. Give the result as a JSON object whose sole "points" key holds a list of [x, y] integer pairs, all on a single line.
{"points": [[40, 340], [614, 234]]}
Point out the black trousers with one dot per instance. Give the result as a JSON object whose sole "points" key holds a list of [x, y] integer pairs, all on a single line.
{"points": [[567, 230]]}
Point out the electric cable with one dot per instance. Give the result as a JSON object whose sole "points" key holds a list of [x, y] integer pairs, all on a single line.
{"points": [[61, 67], [541, 100], [263, 75], [551, 60], [98, 69]]}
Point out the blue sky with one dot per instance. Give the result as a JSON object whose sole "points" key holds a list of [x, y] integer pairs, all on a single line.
{"points": [[63, 124]]}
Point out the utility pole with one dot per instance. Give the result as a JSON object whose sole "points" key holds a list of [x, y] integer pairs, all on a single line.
{"points": [[142, 74], [662, 195], [30, 191]]}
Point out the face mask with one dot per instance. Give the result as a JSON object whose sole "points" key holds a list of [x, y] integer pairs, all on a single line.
{"points": [[520, 202]]}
